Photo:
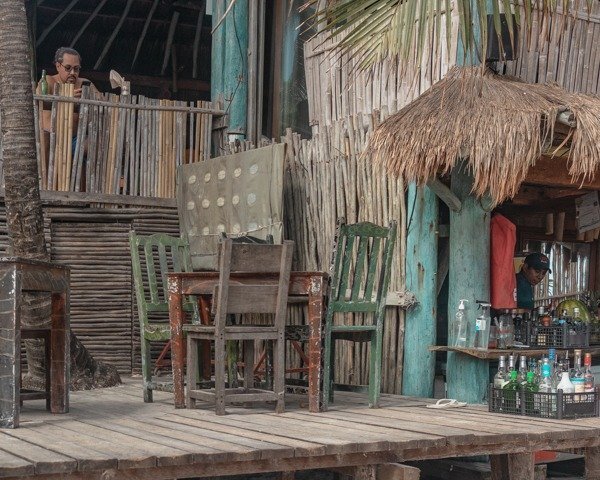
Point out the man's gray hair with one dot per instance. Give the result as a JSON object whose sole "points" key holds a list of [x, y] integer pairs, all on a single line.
{"points": [[60, 53]]}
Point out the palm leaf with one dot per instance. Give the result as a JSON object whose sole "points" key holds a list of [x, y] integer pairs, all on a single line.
{"points": [[372, 30]]}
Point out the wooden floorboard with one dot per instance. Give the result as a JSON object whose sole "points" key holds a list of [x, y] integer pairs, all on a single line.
{"points": [[112, 433]]}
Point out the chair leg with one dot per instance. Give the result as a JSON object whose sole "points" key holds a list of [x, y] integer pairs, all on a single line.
{"points": [[146, 369], [192, 370], [205, 319], [279, 373], [161, 361], [220, 366], [248, 364], [375, 369], [48, 355], [327, 365], [232, 363]]}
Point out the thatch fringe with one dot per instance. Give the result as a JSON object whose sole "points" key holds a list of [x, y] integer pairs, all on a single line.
{"points": [[500, 124]]}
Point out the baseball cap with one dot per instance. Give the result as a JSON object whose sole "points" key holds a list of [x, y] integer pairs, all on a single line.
{"points": [[539, 261]]}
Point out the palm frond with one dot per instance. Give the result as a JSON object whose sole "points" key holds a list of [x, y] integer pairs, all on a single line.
{"points": [[379, 29]]}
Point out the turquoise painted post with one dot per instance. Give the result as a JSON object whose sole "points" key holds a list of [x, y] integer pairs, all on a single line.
{"points": [[421, 279], [469, 277], [235, 68], [469, 264], [229, 63], [217, 51]]}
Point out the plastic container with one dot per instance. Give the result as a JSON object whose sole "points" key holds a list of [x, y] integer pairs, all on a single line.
{"points": [[557, 405], [482, 327], [558, 336], [459, 327]]}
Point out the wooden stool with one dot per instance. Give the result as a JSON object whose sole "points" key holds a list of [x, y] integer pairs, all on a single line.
{"points": [[19, 275]]}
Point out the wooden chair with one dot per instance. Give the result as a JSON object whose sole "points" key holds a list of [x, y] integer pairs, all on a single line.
{"points": [[267, 268], [359, 284], [152, 257]]}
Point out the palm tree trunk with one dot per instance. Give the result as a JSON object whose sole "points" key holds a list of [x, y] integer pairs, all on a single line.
{"points": [[24, 216]]}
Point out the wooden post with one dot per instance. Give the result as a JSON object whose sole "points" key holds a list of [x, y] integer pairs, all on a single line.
{"points": [[469, 278], [592, 463], [514, 466], [421, 269]]}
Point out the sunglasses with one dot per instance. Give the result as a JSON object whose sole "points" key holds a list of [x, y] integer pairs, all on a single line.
{"points": [[68, 68]]}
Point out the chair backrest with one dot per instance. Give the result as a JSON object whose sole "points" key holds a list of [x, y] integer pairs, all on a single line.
{"points": [[248, 239], [152, 257], [360, 275], [268, 266]]}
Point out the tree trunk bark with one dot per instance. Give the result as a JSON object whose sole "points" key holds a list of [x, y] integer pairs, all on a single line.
{"points": [[24, 216]]}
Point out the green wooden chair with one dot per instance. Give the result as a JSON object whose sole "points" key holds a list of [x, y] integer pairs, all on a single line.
{"points": [[152, 257], [359, 283]]}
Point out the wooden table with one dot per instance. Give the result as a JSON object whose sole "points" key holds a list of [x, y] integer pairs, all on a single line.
{"points": [[19, 275], [302, 284]]}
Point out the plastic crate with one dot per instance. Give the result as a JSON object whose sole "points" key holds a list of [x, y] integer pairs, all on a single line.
{"points": [[557, 405], [594, 333], [558, 336]]}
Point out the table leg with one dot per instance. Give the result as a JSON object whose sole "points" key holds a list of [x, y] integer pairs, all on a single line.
{"points": [[177, 355], [315, 317], [60, 353], [10, 346]]}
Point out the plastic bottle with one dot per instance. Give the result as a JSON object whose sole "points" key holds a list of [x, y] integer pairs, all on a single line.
{"points": [[482, 327], [511, 404], [501, 377], [565, 383], [44, 84], [459, 327], [588, 376], [547, 398], [532, 403]]}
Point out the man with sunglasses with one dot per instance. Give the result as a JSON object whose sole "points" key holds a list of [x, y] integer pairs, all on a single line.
{"points": [[68, 65]]}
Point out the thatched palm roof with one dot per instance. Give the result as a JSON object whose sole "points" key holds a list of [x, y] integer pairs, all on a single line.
{"points": [[499, 124]]}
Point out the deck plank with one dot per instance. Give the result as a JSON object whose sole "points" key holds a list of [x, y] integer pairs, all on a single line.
{"points": [[223, 425], [81, 448], [113, 432], [44, 461], [12, 465], [143, 451]]}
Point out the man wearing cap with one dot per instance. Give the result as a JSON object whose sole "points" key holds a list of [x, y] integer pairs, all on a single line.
{"points": [[532, 272]]}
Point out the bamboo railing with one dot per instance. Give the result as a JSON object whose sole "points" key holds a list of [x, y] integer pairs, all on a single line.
{"points": [[125, 145]]}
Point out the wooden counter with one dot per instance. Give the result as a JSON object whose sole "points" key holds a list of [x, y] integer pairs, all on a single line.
{"points": [[495, 353]]}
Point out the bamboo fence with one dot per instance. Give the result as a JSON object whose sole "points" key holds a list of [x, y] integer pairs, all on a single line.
{"points": [[338, 90], [127, 145], [563, 50]]}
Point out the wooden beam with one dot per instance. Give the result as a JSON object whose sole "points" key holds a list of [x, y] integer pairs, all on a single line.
{"points": [[197, 36], [144, 31], [87, 23], [445, 194], [84, 198], [170, 35], [554, 172], [113, 35], [157, 82], [49, 28], [559, 226], [397, 471]]}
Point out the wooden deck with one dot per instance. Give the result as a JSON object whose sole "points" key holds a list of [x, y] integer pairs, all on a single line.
{"points": [[111, 434]]}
